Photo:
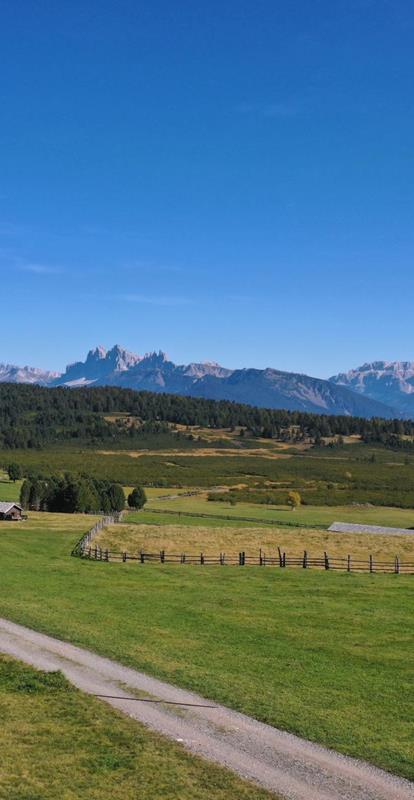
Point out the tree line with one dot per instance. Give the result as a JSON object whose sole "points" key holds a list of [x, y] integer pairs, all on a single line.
{"points": [[77, 494], [36, 416]]}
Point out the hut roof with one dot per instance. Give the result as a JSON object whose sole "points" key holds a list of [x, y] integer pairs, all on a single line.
{"points": [[5, 507]]}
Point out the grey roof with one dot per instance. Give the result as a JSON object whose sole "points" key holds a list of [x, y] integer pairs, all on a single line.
{"points": [[5, 507], [349, 527]]}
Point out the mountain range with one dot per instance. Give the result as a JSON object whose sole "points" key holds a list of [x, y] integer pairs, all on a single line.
{"points": [[389, 382], [382, 388]]}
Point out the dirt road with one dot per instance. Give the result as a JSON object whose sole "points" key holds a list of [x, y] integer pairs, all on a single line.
{"points": [[285, 764]]}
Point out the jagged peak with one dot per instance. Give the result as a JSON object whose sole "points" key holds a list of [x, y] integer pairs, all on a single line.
{"points": [[96, 353], [159, 356]]}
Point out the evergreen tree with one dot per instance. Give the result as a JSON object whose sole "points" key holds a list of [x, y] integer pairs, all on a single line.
{"points": [[14, 472], [25, 494], [36, 495], [116, 497], [137, 498]]}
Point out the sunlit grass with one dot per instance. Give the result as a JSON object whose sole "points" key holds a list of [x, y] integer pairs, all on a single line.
{"points": [[9, 490], [327, 656], [322, 516], [209, 540], [59, 743]]}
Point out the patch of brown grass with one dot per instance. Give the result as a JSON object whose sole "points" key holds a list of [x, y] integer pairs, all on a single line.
{"points": [[211, 541], [199, 453]]}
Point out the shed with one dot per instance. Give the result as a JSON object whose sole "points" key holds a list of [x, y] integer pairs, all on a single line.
{"points": [[10, 511]]}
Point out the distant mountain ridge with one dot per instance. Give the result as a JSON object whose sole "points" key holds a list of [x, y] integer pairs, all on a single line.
{"points": [[269, 388], [389, 382], [10, 373]]}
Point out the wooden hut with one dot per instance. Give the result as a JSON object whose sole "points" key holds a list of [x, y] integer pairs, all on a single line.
{"points": [[11, 511]]}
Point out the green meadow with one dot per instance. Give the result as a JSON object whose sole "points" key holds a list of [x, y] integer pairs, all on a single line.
{"points": [[318, 516], [9, 490], [59, 743], [326, 656]]}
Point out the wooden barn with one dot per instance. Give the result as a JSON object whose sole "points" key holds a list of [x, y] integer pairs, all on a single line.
{"points": [[10, 511]]}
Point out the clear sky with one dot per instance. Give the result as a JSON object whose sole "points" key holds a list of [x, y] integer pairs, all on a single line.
{"points": [[229, 180]]}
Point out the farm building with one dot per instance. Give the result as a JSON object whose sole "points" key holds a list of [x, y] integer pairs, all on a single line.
{"points": [[10, 511]]}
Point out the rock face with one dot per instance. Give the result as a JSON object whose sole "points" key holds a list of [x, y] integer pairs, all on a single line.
{"points": [[389, 382], [269, 388], [101, 366], [10, 373]]}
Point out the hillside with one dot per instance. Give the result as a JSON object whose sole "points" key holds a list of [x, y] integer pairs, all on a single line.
{"points": [[155, 372], [31, 416]]}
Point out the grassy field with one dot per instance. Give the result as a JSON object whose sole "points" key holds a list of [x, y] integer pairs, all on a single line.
{"points": [[327, 656], [59, 743], [319, 516], [212, 541], [9, 490]]}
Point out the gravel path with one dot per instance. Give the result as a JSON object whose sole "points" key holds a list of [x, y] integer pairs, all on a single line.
{"points": [[351, 527], [285, 764]]}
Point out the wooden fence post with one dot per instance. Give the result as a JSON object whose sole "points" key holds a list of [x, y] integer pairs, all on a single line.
{"points": [[305, 559], [326, 559], [124, 557], [349, 564], [201, 558], [106, 555], [280, 557], [397, 565], [260, 557], [284, 559], [371, 564]]}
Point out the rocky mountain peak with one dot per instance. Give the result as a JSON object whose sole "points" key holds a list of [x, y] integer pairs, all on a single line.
{"points": [[390, 382], [96, 354], [121, 359], [156, 358]]}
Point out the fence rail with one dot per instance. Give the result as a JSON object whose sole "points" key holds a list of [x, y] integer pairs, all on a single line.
{"points": [[88, 537], [278, 559]]}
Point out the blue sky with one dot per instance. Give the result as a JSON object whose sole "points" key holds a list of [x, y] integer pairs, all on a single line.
{"points": [[224, 180]]}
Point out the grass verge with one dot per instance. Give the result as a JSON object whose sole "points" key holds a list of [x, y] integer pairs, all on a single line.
{"points": [[57, 742]]}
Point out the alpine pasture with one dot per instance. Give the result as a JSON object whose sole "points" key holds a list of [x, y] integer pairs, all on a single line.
{"points": [[324, 655]]}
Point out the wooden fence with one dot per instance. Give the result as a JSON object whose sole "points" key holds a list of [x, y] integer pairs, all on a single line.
{"points": [[85, 542], [277, 559]]}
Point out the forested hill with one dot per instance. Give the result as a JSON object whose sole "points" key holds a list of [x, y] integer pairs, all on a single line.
{"points": [[34, 416]]}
